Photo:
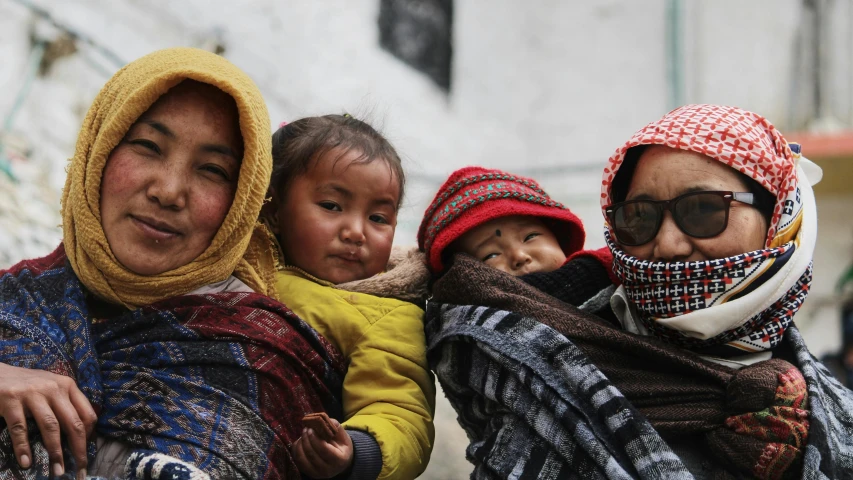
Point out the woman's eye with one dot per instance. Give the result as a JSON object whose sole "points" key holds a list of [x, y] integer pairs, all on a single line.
{"points": [[531, 236], [147, 144], [330, 206], [379, 219], [489, 257], [217, 170]]}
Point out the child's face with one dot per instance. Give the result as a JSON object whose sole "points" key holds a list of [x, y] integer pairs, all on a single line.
{"points": [[517, 245], [337, 220]]}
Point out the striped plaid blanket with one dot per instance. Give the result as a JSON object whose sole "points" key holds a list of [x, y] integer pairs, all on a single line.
{"points": [[535, 406]]}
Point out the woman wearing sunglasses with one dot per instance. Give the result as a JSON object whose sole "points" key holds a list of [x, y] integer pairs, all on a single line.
{"points": [[712, 224], [712, 232]]}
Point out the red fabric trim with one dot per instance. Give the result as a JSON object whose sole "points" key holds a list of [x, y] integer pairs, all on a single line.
{"points": [[604, 256]]}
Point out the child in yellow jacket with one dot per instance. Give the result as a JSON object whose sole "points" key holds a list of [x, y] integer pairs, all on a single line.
{"points": [[336, 187]]}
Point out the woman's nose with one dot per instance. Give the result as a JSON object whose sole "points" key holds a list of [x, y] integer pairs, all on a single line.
{"points": [[168, 188], [671, 244]]}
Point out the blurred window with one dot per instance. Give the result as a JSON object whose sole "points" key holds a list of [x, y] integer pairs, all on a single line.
{"points": [[418, 32]]}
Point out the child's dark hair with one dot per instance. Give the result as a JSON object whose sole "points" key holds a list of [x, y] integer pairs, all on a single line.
{"points": [[297, 144], [764, 200]]}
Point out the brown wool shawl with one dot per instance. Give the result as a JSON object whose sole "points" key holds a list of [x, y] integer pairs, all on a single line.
{"points": [[680, 393]]}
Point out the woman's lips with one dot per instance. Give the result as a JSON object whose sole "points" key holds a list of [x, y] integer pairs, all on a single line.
{"points": [[154, 229]]}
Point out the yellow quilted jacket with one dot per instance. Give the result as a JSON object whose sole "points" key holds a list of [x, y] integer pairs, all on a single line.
{"points": [[388, 390]]}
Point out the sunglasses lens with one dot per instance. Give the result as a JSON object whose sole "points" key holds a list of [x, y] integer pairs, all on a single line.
{"points": [[635, 223], [702, 215]]}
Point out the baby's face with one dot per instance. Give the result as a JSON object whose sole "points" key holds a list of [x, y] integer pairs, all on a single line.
{"points": [[517, 245]]}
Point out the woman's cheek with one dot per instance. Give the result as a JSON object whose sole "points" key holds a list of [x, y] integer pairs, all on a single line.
{"points": [[750, 230], [213, 207], [120, 173]]}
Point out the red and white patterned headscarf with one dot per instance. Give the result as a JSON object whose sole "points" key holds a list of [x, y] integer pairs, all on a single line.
{"points": [[754, 295], [741, 139]]}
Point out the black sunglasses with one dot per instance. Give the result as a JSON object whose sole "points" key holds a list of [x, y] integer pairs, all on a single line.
{"points": [[698, 214]]}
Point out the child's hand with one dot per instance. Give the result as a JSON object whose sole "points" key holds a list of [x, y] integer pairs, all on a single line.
{"points": [[319, 458]]}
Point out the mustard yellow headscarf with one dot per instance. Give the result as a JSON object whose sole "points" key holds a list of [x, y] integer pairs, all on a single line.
{"points": [[240, 247]]}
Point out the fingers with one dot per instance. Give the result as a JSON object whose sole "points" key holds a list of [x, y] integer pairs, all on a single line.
{"points": [[342, 438], [50, 434], [326, 459], [58, 407], [316, 457], [78, 423], [71, 426], [59, 417], [303, 462], [317, 468], [84, 410], [16, 421], [336, 451], [75, 432]]}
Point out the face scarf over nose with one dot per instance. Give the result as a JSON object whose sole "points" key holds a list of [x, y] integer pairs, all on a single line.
{"points": [[754, 295]]}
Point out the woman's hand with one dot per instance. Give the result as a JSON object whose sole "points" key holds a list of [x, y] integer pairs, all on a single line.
{"points": [[56, 405], [318, 458]]}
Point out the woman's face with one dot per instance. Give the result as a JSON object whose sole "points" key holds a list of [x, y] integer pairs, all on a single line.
{"points": [[664, 173], [168, 185]]}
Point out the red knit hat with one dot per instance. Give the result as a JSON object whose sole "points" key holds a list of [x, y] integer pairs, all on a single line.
{"points": [[472, 196]]}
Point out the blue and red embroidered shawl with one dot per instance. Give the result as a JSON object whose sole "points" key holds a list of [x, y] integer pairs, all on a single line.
{"points": [[219, 381]]}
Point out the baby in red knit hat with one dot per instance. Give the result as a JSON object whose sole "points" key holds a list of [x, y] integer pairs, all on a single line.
{"points": [[510, 223], [505, 220]]}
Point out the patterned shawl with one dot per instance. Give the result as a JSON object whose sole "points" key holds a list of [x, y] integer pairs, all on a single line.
{"points": [[742, 304], [220, 382], [546, 391]]}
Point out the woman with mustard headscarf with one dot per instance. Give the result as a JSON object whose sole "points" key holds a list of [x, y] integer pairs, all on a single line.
{"points": [[151, 317]]}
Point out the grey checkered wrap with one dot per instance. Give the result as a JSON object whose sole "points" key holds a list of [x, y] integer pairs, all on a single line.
{"points": [[533, 406]]}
